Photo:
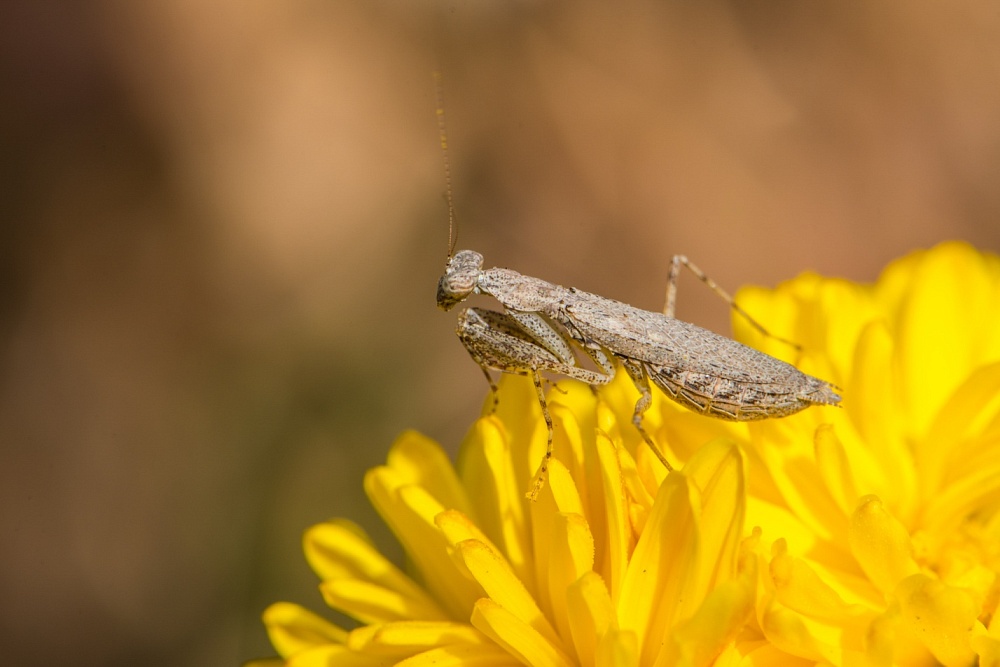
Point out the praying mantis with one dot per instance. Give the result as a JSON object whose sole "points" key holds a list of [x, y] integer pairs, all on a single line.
{"points": [[543, 326]]}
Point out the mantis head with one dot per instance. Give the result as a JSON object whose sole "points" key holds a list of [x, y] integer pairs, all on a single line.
{"points": [[459, 279]]}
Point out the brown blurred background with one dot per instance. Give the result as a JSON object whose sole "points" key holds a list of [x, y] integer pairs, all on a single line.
{"points": [[223, 225]]}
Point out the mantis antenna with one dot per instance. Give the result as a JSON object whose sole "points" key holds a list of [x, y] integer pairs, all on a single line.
{"points": [[443, 133]]}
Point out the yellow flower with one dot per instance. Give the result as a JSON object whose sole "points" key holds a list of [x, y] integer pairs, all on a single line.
{"points": [[868, 535], [882, 531], [604, 568]]}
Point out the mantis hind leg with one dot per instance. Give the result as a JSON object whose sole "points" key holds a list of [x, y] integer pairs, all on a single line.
{"points": [[671, 303], [638, 375]]}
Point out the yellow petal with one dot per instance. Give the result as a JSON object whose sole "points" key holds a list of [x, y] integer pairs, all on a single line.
{"points": [[462, 655], [966, 495], [497, 578], [591, 614], [787, 451], [581, 490], [986, 646], [799, 588], [663, 568], [558, 496], [486, 465], [639, 481], [684, 432], [618, 648], [874, 408], [421, 461], [718, 470], [561, 493], [293, 629], [880, 544], [797, 634], [893, 283], [519, 638], [457, 528], [520, 417], [581, 403], [572, 556], [940, 615], [339, 549], [973, 410], [948, 306], [331, 654], [882, 643], [617, 399], [833, 632], [611, 527], [717, 622], [781, 520], [838, 314], [761, 654], [961, 444], [370, 603], [835, 468], [410, 511], [406, 638], [567, 437]]}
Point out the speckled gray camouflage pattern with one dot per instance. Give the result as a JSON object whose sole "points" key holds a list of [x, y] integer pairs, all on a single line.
{"points": [[543, 323]]}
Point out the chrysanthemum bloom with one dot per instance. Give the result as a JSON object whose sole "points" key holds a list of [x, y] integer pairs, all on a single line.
{"points": [[868, 535], [887, 522]]}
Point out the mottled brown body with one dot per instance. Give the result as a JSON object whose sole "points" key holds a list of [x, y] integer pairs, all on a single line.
{"points": [[543, 323]]}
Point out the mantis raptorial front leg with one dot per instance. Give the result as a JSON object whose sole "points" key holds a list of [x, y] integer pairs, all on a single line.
{"points": [[497, 341]]}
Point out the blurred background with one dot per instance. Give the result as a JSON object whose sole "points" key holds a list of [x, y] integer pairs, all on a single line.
{"points": [[223, 224]]}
